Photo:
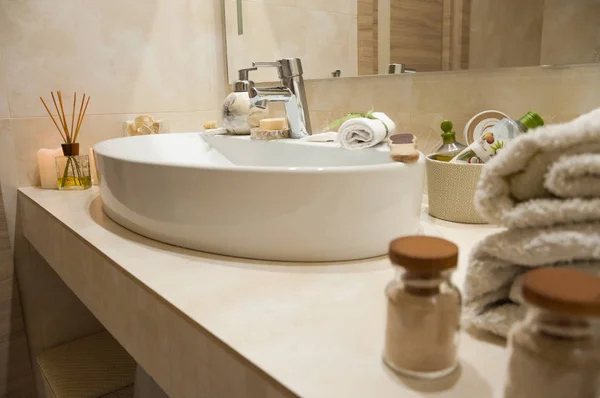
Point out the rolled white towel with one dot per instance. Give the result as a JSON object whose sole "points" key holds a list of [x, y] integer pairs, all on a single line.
{"points": [[365, 132]]}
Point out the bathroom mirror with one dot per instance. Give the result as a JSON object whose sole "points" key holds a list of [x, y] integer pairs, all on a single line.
{"points": [[362, 37]]}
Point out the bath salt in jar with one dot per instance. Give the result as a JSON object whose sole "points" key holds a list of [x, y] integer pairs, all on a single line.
{"points": [[423, 313], [555, 351]]}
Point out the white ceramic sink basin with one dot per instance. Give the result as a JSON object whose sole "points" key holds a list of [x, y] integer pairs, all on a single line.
{"points": [[286, 200]]}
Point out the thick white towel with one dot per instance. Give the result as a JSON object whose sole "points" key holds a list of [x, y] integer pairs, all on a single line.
{"points": [[363, 132], [545, 188], [492, 299], [549, 176]]}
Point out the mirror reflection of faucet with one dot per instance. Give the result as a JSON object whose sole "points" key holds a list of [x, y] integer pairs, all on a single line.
{"points": [[398, 69]]}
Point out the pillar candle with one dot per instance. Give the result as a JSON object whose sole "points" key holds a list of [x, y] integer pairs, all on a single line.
{"points": [[47, 167], [93, 170]]}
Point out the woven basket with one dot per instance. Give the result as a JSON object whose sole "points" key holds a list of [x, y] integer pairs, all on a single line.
{"points": [[451, 191]]}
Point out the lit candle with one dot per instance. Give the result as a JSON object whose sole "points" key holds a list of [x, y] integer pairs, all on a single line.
{"points": [[93, 171], [47, 166]]}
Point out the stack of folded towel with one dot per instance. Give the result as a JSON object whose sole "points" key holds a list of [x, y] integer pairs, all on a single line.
{"points": [[545, 188]]}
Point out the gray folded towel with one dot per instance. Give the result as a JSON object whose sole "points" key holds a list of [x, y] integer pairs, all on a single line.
{"points": [[545, 187], [549, 176]]}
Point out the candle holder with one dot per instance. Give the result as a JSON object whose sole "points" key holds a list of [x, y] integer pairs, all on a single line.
{"points": [[72, 169]]}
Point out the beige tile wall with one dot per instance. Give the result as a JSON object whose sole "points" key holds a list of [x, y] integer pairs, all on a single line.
{"points": [[4, 112], [535, 32], [505, 33], [158, 57], [571, 32], [324, 34], [419, 102]]}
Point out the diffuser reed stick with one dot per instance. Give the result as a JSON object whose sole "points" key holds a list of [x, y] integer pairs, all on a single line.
{"points": [[69, 136]]}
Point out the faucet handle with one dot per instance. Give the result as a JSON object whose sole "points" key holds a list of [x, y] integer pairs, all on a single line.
{"points": [[243, 83], [286, 68], [243, 73]]}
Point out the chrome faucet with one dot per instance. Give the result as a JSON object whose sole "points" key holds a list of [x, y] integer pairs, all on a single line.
{"points": [[291, 93]]}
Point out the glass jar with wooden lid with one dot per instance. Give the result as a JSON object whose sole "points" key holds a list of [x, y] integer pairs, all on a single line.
{"points": [[423, 314], [555, 350]]}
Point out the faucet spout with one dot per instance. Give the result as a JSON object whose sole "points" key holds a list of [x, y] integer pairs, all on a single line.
{"points": [[292, 93], [271, 94], [260, 96]]}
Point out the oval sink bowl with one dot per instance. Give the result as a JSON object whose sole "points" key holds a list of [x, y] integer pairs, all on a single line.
{"points": [[269, 200]]}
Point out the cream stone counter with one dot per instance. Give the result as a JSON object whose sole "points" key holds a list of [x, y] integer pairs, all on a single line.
{"points": [[207, 325]]}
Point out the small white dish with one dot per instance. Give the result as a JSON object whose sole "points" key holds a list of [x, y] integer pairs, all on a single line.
{"points": [[481, 124]]}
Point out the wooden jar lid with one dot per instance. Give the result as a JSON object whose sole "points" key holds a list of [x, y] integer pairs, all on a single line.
{"points": [[566, 291], [424, 254]]}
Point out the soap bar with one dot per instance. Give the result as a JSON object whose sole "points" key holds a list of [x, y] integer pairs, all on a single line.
{"points": [[403, 148], [276, 124]]}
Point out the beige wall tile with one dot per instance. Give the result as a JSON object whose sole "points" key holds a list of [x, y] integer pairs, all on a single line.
{"points": [[571, 33], [4, 111], [388, 93], [275, 30], [331, 99], [159, 56], [276, 2], [512, 28], [335, 6], [9, 180]]}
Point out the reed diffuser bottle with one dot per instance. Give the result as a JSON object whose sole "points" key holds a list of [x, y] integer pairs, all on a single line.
{"points": [[72, 169]]}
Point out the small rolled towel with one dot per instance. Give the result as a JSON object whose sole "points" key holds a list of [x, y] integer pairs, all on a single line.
{"points": [[492, 299], [549, 176], [366, 132]]}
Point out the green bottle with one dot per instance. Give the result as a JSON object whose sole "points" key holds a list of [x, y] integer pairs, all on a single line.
{"points": [[450, 147]]}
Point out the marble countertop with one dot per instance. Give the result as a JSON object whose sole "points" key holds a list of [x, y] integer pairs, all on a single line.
{"points": [[317, 329]]}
